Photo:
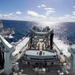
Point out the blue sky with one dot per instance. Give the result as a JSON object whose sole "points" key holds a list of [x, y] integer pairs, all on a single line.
{"points": [[38, 10]]}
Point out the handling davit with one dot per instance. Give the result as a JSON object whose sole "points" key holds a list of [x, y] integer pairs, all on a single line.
{"points": [[35, 54]]}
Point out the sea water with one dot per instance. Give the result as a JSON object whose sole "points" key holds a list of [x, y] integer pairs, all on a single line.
{"points": [[64, 32]]}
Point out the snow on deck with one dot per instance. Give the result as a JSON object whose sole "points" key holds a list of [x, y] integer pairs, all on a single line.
{"points": [[20, 45]]}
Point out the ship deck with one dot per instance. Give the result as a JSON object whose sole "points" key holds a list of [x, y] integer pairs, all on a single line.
{"points": [[25, 69], [29, 69], [41, 41]]}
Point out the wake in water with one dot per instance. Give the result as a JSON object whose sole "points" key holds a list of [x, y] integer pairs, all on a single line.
{"points": [[62, 46], [57, 27]]}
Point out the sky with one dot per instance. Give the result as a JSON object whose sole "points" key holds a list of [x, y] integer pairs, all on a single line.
{"points": [[38, 10]]}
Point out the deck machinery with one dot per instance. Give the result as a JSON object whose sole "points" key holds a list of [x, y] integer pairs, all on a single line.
{"points": [[40, 47]]}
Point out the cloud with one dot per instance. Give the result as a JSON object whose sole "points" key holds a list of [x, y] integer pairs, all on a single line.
{"points": [[35, 14], [18, 12], [11, 14], [73, 17], [49, 11], [1, 15], [42, 16], [5, 15], [73, 12], [41, 6], [8, 15], [63, 17], [67, 16], [73, 6], [32, 13]]}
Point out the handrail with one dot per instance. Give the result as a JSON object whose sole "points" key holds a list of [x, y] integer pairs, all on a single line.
{"points": [[57, 47], [60, 55]]}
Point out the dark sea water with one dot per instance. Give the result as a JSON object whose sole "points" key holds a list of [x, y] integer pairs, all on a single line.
{"points": [[64, 31], [21, 28]]}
